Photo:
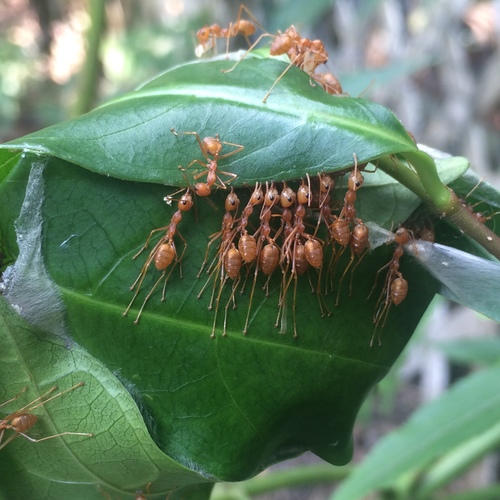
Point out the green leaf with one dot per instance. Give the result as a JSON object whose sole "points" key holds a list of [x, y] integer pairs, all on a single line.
{"points": [[119, 459], [481, 351], [229, 406], [294, 133], [469, 409]]}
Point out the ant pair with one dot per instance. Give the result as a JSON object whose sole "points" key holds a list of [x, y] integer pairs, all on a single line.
{"points": [[302, 52], [345, 230], [208, 35]]}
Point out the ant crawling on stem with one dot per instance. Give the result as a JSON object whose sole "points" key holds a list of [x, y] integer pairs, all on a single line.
{"points": [[211, 148], [22, 420]]}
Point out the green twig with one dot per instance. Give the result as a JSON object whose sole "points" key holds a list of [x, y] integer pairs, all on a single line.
{"points": [[425, 183], [89, 75]]}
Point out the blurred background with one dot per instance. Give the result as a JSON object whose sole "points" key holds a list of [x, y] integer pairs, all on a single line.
{"points": [[435, 63]]}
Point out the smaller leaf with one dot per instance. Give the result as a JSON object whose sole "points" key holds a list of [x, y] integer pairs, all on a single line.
{"points": [[470, 408]]}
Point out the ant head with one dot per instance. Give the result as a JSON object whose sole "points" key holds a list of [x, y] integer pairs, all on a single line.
{"points": [[257, 196], [212, 145], [303, 193], [287, 197], [355, 180], [232, 201], [186, 201], [204, 34], [202, 189], [326, 183], [401, 236], [272, 196]]}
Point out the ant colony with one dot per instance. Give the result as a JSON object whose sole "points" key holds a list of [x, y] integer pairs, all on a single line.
{"points": [[296, 232], [282, 236]]}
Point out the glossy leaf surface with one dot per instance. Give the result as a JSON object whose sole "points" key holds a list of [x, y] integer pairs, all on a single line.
{"points": [[119, 459], [294, 133]]}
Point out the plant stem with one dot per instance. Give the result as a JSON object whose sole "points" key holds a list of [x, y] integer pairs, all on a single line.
{"points": [[89, 75], [298, 476], [441, 199], [427, 173]]}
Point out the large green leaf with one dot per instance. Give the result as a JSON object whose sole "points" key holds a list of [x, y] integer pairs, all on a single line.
{"points": [[119, 459], [224, 407]]}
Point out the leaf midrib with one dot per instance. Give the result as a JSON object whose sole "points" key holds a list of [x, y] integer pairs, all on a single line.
{"points": [[190, 326]]}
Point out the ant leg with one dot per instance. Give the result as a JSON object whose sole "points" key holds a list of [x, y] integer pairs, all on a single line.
{"points": [[248, 51]]}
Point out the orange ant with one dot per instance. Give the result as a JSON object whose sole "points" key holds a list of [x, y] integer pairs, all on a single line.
{"points": [[340, 229], [210, 147], [479, 216], [22, 420], [395, 286], [329, 82], [326, 184], [225, 234], [298, 255], [207, 35], [247, 244], [304, 53], [163, 253], [232, 262], [228, 259], [266, 255]]}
